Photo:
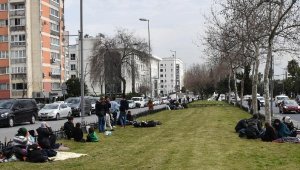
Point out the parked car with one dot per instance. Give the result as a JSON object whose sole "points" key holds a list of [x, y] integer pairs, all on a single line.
{"points": [[139, 101], [93, 104], [75, 104], [289, 106], [164, 100], [156, 102], [131, 104], [13, 111], [279, 99], [55, 111], [262, 101]]}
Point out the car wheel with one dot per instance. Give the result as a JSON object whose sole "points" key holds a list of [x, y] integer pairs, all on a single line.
{"points": [[11, 122], [32, 121], [57, 116]]}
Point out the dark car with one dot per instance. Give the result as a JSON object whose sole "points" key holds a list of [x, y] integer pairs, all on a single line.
{"points": [[75, 104], [14, 111], [289, 106]]}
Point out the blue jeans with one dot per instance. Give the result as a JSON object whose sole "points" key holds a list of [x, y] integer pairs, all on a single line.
{"points": [[101, 123], [122, 118]]}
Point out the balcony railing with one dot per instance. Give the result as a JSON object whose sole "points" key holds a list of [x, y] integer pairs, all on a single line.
{"points": [[18, 44], [53, 18], [19, 93], [17, 28], [18, 12], [54, 3], [55, 33], [17, 60]]}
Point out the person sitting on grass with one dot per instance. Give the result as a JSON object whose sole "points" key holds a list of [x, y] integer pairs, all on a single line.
{"points": [[288, 122], [69, 127], [129, 118], [78, 133], [46, 138], [270, 133], [92, 136], [23, 138], [281, 129]]}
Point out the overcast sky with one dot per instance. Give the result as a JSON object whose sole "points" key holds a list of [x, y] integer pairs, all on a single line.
{"points": [[174, 24]]}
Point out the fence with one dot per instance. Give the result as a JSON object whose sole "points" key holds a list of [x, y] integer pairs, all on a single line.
{"points": [[60, 134]]}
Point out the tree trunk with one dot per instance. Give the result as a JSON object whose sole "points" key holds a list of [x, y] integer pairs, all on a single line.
{"points": [[235, 86], [229, 88], [132, 75], [255, 80], [124, 85], [242, 89], [266, 82]]}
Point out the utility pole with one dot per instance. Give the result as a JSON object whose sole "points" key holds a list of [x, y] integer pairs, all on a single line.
{"points": [[81, 65]]}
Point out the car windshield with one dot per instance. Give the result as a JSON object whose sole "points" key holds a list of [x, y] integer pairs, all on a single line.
{"points": [[7, 104], [290, 102], [136, 99], [130, 101], [73, 101], [282, 98], [51, 106]]}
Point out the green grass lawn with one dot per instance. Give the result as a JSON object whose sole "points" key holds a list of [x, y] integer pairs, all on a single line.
{"points": [[197, 138]]}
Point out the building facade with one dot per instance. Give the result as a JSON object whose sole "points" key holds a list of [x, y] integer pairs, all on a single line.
{"points": [[31, 48], [171, 74]]}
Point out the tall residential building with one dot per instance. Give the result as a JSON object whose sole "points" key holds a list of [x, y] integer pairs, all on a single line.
{"points": [[171, 74], [31, 48]]}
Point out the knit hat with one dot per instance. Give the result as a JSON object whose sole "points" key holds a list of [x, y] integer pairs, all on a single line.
{"points": [[287, 119], [22, 132]]}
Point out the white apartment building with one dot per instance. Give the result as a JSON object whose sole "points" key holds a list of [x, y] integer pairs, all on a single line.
{"points": [[171, 73]]}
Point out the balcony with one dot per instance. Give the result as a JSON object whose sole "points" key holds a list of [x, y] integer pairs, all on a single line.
{"points": [[54, 3], [17, 60], [53, 18], [55, 47], [17, 13], [19, 93], [18, 44], [55, 33], [17, 28]]}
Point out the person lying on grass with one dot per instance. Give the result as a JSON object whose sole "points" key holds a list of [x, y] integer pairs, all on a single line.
{"points": [[92, 136]]}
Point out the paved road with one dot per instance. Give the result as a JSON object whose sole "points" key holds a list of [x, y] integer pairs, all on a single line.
{"points": [[294, 117], [56, 124]]}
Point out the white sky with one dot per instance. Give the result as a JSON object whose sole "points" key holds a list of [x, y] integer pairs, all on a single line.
{"points": [[174, 24]]}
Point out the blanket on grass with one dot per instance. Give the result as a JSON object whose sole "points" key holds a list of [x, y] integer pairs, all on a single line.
{"points": [[66, 155]]}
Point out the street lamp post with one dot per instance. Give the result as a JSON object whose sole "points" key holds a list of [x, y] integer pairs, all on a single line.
{"points": [[81, 65], [175, 72], [143, 19]]}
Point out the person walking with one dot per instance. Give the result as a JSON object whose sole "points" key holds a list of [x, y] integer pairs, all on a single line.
{"points": [[123, 109], [114, 110], [101, 108]]}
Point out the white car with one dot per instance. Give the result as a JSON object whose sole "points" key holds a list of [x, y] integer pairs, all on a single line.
{"points": [[55, 111], [279, 99], [139, 101], [131, 104], [262, 101]]}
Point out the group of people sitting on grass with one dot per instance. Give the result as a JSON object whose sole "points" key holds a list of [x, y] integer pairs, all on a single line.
{"points": [[277, 131], [32, 146], [178, 104]]}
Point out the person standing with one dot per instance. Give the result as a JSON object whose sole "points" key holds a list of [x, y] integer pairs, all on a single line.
{"points": [[123, 108], [107, 113], [114, 110], [101, 108], [150, 106]]}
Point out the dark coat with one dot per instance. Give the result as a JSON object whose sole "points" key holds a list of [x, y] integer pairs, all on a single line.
{"points": [[69, 128], [101, 108], [269, 135], [44, 137], [124, 105], [78, 134]]}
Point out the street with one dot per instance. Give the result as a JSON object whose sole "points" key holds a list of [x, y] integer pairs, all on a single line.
{"points": [[9, 133]]}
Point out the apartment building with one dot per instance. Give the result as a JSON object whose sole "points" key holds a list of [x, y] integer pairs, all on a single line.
{"points": [[171, 73], [31, 48]]}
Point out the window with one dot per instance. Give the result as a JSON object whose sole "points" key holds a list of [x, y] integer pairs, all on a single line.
{"points": [[19, 86], [161, 65], [161, 81], [162, 86], [73, 76], [3, 23], [3, 54], [18, 38], [54, 12], [18, 22], [3, 7], [171, 70], [4, 86], [4, 70], [55, 55], [18, 6], [161, 70], [73, 67], [3, 38], [55, 86], [55, 41], [73, 57], [18, 54], [15, 70], [161, 75], [56, 1], [54, 27]]}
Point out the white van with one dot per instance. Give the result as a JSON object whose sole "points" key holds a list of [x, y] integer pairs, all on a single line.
{"points": [[139, 101]]}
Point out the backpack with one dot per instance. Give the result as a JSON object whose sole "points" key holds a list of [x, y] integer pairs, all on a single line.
{"points": [[251, 132], [151, 123], [35, 154]]}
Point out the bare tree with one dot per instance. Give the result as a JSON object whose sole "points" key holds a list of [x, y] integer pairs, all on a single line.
{"points": [[112, 57]]}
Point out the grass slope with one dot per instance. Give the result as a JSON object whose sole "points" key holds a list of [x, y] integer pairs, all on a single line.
{"points": [[197, 138]]}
